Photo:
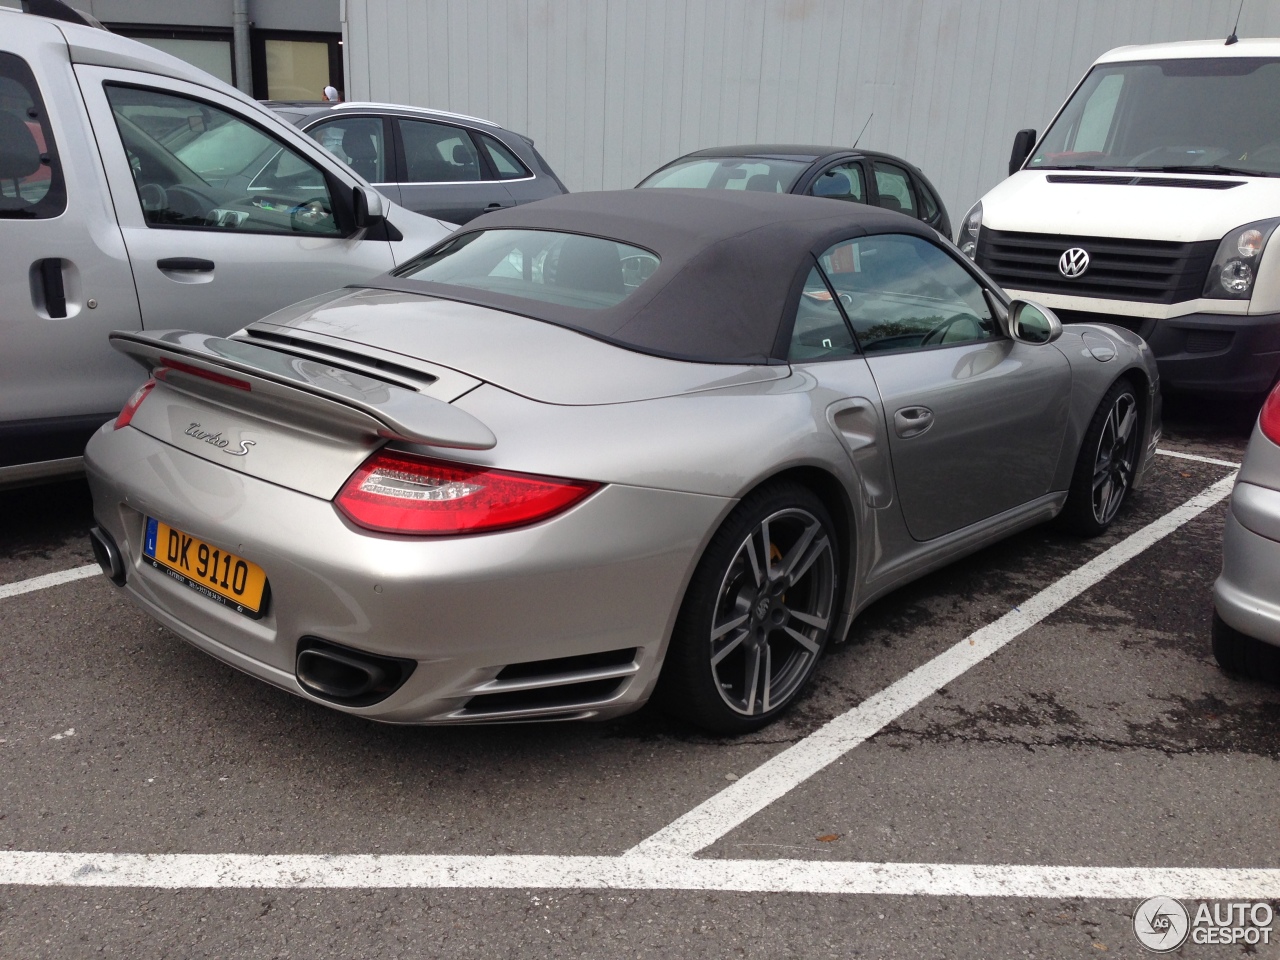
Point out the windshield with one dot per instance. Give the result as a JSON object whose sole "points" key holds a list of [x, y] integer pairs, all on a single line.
{"points": [[729, 173], [1198, 115], [567, 269]]}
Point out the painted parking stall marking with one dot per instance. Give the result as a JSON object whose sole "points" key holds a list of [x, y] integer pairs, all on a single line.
{"points": [[48, 580]]}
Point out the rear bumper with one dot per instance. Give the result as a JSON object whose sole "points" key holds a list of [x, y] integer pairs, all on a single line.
{"points": [[1247, 594], [606, 576], [1206, 352]]}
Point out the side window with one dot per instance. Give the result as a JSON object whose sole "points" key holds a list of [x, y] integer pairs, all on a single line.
{"points": [[31, 184], [504, 161], [438, 153], [841, 182], [820, 331], [894, 187], [357, 142], [199, 166], [904, 293], [928, 205]]}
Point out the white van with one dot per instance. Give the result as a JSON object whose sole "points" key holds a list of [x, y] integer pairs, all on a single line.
{"points": [[138, 191], [1149, 203]]}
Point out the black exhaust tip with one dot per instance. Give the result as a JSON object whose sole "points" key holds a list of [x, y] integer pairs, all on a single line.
{"points": [[349, 677], [108, 555]]}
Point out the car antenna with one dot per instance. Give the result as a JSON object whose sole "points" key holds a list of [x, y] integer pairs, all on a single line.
{"points": [[1233, 38], [868, 123]]}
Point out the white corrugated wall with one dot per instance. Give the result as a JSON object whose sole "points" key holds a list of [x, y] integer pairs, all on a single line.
{"points": [[611, 89]]}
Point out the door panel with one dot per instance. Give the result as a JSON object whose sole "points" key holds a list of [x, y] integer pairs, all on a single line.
{"points": [[271, 237]]}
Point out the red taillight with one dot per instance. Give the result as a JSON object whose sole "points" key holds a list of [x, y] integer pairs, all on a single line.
{"points": [[1269, 418], [403, 493], [193, 370], [133, 403]]}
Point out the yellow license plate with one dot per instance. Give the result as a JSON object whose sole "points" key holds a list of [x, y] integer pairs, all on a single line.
{"points": [[217, 574]]}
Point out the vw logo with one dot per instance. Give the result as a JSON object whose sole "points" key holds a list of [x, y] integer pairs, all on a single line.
{"points": [[1073, 262]]}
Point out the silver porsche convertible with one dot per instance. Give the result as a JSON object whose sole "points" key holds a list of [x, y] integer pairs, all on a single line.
{"points": [[603, 449]]}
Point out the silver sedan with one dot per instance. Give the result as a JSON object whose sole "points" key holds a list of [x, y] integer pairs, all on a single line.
{"points": [[601, 449]]}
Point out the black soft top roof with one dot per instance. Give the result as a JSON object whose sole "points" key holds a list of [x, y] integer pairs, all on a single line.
{"points": [[731, 265]]}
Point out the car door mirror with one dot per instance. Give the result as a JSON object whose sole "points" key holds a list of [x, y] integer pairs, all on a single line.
{"points": [[1032, 323], [367, 205], [1023, 141]]}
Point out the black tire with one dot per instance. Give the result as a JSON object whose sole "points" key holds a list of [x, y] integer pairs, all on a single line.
{"points": [[1106, 463], [1242, 655], [757, 615]]}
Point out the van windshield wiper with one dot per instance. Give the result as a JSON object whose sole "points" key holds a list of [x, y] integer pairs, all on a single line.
{"points": [[1208, 168]]}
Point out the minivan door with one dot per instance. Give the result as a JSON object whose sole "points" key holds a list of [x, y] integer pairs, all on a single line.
{"points": [[225, 220], [65, 278]]}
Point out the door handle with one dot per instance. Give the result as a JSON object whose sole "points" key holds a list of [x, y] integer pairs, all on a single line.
{"points": [[498, 206], [912, 421], [54, 290], [192, 264]]}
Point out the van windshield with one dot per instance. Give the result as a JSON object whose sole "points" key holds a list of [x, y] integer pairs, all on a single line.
{"points": [[1207, 115]]}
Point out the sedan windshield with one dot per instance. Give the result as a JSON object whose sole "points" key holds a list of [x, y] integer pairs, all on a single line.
{"points": [[1217, 115], [729, 173]]}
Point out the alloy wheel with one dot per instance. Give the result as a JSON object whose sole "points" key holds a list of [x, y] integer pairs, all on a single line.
{"points": [[1114, 463]]}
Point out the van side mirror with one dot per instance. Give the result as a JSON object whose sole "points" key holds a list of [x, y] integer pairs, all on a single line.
{"points": [[367, 206], [1023, 141], [1032, 323]]}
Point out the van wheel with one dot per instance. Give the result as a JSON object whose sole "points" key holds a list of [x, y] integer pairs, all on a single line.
{"points": [[757, 615]]}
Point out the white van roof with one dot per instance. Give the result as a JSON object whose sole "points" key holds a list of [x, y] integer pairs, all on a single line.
{"points": [[1193, 50]]}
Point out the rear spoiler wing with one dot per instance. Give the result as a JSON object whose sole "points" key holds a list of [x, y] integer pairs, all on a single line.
{"points": [[312, 389]]}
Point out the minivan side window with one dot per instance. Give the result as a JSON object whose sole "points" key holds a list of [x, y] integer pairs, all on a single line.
{"points": [[31, 183], [197, 166]]}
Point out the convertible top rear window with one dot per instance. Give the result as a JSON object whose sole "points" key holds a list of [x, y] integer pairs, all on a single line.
{"points": [[568, 269]]}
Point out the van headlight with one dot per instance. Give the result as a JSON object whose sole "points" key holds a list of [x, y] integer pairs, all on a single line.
{"points": [[1235, 265], [967, 238]]}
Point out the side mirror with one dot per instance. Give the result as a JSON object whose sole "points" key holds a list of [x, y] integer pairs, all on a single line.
{"points": [[1023, 141], [1031, 323], [367, 205]]}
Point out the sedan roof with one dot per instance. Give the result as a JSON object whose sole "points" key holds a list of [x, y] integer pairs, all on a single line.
{"points": [[731, 265]]}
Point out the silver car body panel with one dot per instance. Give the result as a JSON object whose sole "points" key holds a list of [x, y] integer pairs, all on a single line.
{"points": [[1247, 593]]}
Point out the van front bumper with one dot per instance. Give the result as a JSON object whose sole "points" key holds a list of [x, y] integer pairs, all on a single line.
{"points": [[1216, 353]]}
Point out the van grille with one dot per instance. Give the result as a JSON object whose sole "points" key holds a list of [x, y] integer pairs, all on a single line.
{"points": [[1184, 182], [1149, 271]]}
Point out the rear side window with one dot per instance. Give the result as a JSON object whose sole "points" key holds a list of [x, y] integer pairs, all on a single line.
{"points": [[31, 183], [438, 153], [503, 160], [894, 187], [561, 268]]}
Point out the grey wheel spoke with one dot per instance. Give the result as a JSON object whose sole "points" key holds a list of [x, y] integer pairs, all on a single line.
{"points": [[722, 629], [728, 648], [752, 679], [768, 678], [766, 547], [809, 618], [797, 553], [750, 547], [1126, 425], [801, 639], [799, 569]]}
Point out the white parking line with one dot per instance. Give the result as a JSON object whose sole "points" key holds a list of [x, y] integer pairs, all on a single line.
{"points": [[205, 871], [48, 580], [1198, 459], [716, 816]]}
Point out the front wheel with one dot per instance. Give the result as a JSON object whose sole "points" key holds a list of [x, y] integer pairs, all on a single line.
{"points": [[757, 614], [1107, 463]]}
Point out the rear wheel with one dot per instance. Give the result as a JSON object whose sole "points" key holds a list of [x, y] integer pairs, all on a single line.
{"points": [[757, 613], [1107, 463], [1243, 655]]}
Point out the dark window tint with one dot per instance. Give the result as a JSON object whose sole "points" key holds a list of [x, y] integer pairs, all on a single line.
{"points": [[894, 187], [841, 182], [904, 293], [820, 331], [31, 184], [438, 153], [729, 173], [197, 165], [503, 160], [357, 142], [560, 268]]}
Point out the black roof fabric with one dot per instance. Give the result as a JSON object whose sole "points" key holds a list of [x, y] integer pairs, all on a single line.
{"points": [[731, 265]]}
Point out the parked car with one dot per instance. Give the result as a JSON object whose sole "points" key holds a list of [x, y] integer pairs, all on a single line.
{"points": [[840, 173], [1246, 597], [1149, 203], [441, 164], [138, 191], [600, 444]]}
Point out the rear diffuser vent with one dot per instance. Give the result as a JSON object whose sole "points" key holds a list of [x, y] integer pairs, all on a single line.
{"points": [[541, 688]]}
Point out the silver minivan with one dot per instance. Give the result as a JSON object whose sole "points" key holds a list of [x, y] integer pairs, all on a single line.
{"points": [[138, 191]]}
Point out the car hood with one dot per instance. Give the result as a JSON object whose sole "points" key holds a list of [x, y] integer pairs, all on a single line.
{"points": [[1029, 203], [528, 357]]}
